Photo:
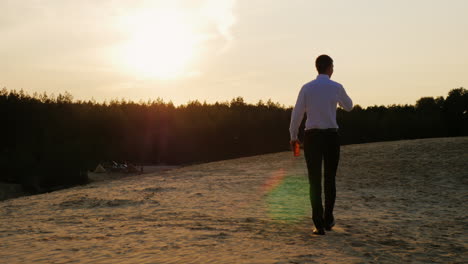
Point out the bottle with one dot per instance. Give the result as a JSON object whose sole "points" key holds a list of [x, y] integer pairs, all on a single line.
{"points": [[296, 149]]}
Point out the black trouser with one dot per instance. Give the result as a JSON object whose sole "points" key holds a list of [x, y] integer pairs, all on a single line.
{"points": [[322, 145]]}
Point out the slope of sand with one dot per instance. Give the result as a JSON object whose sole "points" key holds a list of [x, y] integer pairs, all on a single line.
{"points": [[398, 202]]}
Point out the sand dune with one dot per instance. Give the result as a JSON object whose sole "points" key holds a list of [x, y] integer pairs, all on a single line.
{"points": [[398, 202]]}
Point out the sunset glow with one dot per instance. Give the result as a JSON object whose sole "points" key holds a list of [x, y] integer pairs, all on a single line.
{"points": [[385, 52], [161, 44]]}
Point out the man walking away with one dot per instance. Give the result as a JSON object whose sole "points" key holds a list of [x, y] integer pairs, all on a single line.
{"points": [[319, 99]]}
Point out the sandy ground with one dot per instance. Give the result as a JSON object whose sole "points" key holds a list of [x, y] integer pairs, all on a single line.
{"points": [[14, 190], [147, 169], [398, 202]]}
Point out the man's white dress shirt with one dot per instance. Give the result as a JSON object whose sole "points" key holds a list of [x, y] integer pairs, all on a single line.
{"points": [[319, 99]]}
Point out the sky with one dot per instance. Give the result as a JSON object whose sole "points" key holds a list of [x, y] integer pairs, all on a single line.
{"points": [[384, 52]]}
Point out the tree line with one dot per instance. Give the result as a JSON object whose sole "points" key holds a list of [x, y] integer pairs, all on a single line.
{"points": [[51, 141]]}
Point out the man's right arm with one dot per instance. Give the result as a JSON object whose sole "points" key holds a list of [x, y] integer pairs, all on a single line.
{"points": [[344, 100], [297, 115]]}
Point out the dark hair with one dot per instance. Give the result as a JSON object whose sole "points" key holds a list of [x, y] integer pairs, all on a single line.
{"points": [[323, 62]]}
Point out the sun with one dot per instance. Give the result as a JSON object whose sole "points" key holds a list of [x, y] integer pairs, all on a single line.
{"points": [[160, 44]]}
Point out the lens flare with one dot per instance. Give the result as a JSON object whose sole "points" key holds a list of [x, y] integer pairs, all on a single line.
{"points": [[273, 181], [287, 195]]}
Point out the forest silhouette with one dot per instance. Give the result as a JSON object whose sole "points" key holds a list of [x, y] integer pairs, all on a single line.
{"points": [[50, 141]]}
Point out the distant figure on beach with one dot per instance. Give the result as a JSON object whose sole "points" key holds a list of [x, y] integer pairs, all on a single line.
{"points": [[319, 99]]}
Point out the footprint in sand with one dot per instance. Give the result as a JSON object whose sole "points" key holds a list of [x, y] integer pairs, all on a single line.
{"points": [[87, 203], [159, 189]]}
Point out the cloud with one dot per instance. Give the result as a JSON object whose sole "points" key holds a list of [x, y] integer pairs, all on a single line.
{"points": [[97, 19], [221, 13], [210, 19]]}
